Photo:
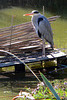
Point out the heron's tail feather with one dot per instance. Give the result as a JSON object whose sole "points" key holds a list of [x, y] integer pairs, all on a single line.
{"points": [[52, 44]]}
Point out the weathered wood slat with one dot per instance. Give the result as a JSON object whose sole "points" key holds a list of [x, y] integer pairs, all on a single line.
{"points": [[29, 47], [16, 33], [7, 64], [19, 36], [16, 41]]}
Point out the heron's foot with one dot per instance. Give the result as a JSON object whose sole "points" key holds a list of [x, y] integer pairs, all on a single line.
{"points": [[43, 56]]}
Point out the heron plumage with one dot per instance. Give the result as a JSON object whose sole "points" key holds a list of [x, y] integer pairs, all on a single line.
{"points": [[43, 28]]}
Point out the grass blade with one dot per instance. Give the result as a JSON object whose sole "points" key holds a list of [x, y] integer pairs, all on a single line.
{"points": [[45, 80]]}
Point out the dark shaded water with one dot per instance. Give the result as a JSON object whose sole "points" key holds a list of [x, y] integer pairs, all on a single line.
{"points": [[11, 83], [28, 79]]}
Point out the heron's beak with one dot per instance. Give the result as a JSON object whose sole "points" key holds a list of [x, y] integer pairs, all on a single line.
{"points": [[30, 14]]}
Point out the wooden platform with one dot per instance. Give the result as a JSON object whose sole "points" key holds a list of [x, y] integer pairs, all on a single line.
{"points": [[30, 56], [22, 41]]}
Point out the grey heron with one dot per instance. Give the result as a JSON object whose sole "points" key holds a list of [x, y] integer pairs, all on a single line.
{"points": [[42, 28]]}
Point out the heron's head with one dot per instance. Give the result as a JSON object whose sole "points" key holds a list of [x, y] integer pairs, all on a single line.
{"points": [[34, 12]]}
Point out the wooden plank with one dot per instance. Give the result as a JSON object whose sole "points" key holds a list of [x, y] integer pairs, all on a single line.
{"points": [[17, 38], [29, 47], [33, 47], [58, 54], [7, 64], [30, 58], [17, 42], [51, 56], [16, 33]]}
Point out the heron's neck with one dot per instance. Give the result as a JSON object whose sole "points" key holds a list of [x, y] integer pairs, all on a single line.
{"points": [[35, 19]]}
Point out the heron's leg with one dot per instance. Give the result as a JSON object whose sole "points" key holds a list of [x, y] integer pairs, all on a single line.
{"points": [[43, 52]]}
